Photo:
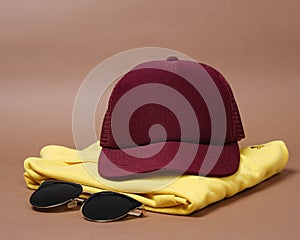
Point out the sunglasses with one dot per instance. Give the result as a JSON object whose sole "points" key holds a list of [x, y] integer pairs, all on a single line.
{"points": [[100, 207]]}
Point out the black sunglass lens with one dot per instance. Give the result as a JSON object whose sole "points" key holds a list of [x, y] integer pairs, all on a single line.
{"points": [[54, 193], [107, 206]]}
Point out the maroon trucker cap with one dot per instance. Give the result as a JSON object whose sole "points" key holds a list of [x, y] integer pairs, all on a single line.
{"points": [[170, 116]]}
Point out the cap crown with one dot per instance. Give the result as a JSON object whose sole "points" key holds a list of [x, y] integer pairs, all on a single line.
{"points": [[164, 72]]}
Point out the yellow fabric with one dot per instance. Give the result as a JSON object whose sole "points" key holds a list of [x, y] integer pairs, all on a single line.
{"points": [[184, 196]]}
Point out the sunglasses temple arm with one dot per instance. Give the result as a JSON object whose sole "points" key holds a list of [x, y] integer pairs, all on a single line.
{"points": [[87, 194], [137, 212]]}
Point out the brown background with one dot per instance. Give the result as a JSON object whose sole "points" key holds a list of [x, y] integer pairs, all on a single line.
{"points": [[48, 47]]}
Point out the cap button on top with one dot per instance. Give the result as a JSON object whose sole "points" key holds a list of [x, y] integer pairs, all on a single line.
{"points": [[172, 58]]}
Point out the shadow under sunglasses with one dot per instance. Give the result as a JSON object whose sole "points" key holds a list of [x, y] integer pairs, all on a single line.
{"points": [[103, 206]]}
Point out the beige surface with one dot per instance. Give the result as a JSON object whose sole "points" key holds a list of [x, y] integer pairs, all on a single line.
{"points": [[48, 47]]}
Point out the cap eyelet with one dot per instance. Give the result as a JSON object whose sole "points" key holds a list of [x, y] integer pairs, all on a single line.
{"points": [[172, 58]]}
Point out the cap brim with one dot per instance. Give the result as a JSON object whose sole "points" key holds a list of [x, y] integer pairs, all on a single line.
{"points": [[173, 158]]}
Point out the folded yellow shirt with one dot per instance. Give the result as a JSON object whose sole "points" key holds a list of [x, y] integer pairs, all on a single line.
{"points": [[184, 196]]}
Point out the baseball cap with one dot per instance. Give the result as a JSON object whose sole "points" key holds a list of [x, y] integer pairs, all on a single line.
{"points": [[130, 146]]}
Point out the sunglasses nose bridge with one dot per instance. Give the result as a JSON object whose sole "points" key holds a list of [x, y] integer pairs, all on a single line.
{"points": [[75, 202], [72, 203]]}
